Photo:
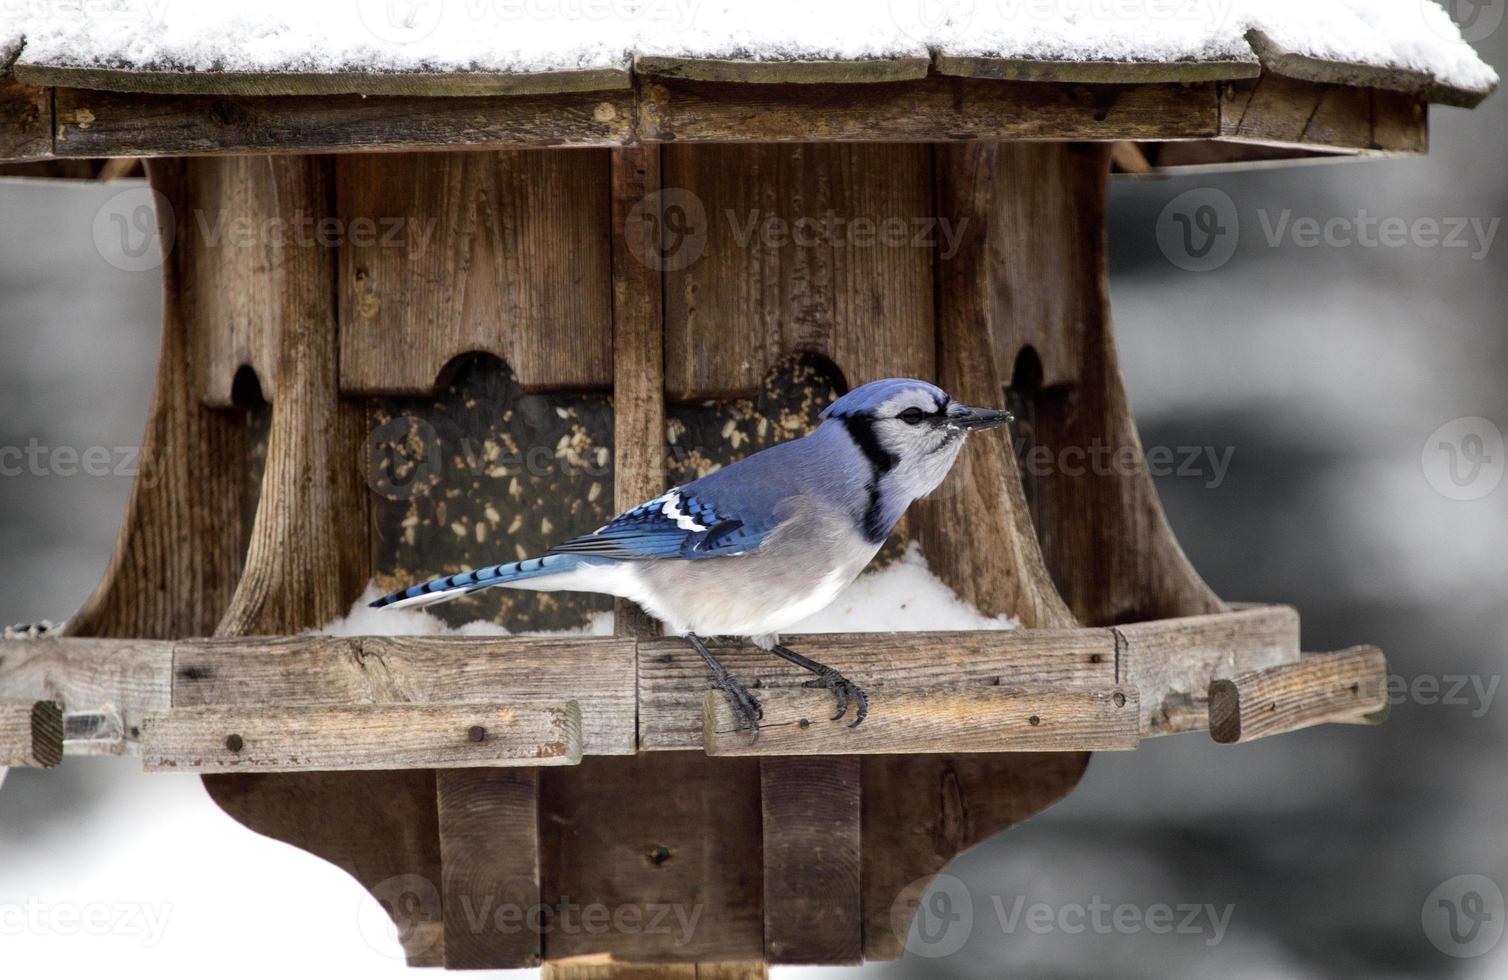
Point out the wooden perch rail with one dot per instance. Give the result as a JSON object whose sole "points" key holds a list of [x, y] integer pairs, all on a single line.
{"points": [[1348, 686], [368, 736], [959, 719], [31, 735]]}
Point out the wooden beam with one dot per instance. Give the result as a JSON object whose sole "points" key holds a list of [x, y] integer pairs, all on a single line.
{"points": [[1283, 112], [1347, 686], [1095, 72], [933, 108], [252, 83], [489, 853], [806, 72], [907, 721], [673, 680], [812, 895], [1280, 60], [217, 738], [31, 734], [591, 969], [1171, 661], [25, 121], [308, 671]]}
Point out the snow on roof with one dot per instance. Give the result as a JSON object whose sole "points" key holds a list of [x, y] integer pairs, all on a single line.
{"points": [[542, 36]]}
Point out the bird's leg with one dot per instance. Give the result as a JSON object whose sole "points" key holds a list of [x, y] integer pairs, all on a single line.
{"points": [[843, 689], [746, 709]]}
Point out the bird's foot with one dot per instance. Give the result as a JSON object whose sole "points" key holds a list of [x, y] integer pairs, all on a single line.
{"points": [[747, 711], [844, 690]]}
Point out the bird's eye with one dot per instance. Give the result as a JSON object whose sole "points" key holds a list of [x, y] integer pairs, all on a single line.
{"points": [[912, 415]]}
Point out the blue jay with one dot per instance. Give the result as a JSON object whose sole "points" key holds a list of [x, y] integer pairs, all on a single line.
{"points": [[754, 547]]}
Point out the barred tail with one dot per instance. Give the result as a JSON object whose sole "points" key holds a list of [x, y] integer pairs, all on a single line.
{"points": [[464, 583]]}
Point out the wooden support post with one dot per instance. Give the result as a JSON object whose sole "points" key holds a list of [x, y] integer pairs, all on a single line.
{"points": [[489, 851], [367, 736], [812, 898], [1093, 504], [1348, 686], [31, 734], [972, 719], [976, 530]]}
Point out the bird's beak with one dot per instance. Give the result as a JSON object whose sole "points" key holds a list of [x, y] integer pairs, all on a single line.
{"points": [[978, 419]]}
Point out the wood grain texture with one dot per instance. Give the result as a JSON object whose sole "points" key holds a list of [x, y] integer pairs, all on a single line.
{"points": [[232, 266], [93, 124], [922, 811], [805, 72], [1096, 512], [301, 568], [217, 738], [1289, 112], [1094, 72], [1172, 661], [812, 898], [390, 83], [669, 844], [976, 529], [922, 720], [506, 252], [307, 671], [590, 970], [1346, 686], [31, 735], [638, 348], [932, 108], [823, 250], [183, 538], [25, 121], [116, 679], [489, 850], [673, 679]]}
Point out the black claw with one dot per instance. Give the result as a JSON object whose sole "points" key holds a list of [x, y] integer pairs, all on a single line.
{"points": [[842, 689], [747, 711]]}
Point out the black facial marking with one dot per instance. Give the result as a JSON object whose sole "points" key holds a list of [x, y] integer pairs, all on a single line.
{"points": [[881, 461]]}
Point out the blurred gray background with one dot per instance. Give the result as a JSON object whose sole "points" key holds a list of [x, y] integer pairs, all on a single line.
{"points": [[1323, 370]]}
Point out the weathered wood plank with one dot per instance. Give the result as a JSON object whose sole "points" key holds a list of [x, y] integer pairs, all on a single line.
{"points": [[25, 121], [1347, 686], [219, 738], [1104, 535], [305, 671], [1280, 60], [92, 124], [123, 679], [202, 464], [638, 347], [1279, 111], [920, 720], [489, 853], [673, 679], [976, 530], [823, 250], [1094, 72], [31, 734], [505, 252], [933, 108], [579, 970], [390, 83], [922, 811], [1172, 661], [668, 843], [812, 896], [805, 72]]}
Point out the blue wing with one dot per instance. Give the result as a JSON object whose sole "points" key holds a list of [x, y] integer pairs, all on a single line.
{"points": [[677, 524]]}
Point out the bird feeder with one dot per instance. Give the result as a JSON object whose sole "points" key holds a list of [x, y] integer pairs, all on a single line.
{"points": [[541, 301]]}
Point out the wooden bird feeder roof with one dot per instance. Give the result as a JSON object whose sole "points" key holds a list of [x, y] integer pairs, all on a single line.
{"points": [[1244, 81]]}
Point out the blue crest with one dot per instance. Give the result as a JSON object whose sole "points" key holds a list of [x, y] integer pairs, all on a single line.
{"points": [[866, 398]]}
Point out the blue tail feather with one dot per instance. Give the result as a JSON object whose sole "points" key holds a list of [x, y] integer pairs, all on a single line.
{"points": [[465, 583]]}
